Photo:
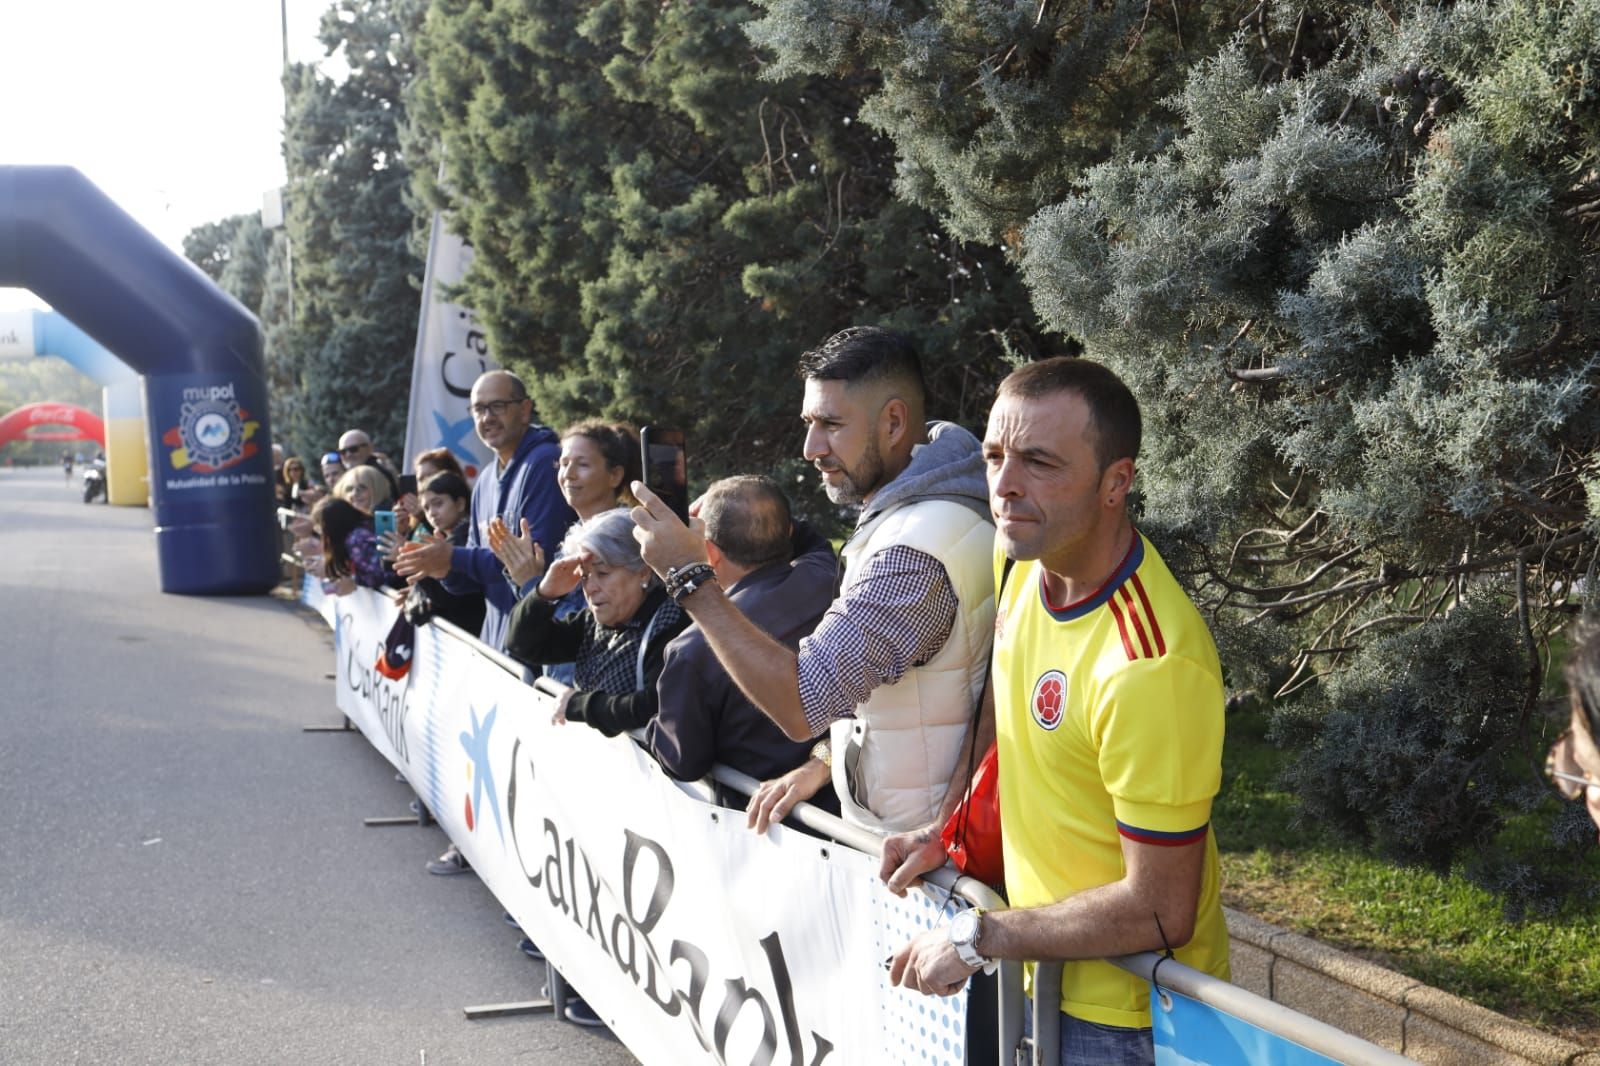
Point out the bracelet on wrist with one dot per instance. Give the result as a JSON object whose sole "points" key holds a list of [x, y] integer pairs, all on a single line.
{"points": [[683, 581]]}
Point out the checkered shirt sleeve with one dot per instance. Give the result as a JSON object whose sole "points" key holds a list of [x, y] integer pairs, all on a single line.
{"points": [[895, 616]]}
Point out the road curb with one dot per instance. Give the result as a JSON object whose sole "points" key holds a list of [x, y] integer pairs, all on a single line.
{"points": [[1389, 1009]]}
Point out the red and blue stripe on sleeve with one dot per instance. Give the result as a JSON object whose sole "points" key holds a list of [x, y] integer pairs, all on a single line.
{"points": [[1161, 839]]}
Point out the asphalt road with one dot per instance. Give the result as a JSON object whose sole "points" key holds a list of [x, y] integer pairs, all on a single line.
{"points": [[185, 877]]}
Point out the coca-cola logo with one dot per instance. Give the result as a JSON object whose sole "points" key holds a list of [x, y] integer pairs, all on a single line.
{"points": [[57, 414]]}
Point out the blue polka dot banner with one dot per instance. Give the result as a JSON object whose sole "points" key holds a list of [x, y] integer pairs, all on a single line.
{"points": [[925, 1030]]}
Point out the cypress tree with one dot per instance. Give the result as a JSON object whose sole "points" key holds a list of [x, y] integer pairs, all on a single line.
{"points": [[659, 231], [1345, 254], [350, 224]]}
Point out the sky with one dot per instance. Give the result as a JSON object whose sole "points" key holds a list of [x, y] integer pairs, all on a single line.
{"points": [[174, 108]]}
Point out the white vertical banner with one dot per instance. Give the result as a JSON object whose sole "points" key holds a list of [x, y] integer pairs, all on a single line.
{"points": [[452, 350]]}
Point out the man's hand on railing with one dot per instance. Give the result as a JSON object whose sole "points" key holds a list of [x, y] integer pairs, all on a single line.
{"points": [[773, 801], [930, 965], [907, 856]]}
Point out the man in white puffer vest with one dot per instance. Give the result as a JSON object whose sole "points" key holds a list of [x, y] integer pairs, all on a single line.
{"points": [[898, 662]]}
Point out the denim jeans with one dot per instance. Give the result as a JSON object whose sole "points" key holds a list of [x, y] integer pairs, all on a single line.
{"points": [[1092, 1044]]}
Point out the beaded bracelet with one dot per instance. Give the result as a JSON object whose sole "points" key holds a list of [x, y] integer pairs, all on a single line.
{"points": [[681, 581]]}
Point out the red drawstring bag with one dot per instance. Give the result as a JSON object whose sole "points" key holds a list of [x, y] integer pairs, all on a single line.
{"points": [[972, 835]]}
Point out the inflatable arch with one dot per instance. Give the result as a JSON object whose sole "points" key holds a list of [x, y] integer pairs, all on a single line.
{"points": [[19, 424], [198, 351], [45, 333]]}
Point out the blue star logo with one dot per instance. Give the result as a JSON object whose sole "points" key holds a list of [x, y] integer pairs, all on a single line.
{"points": [[453, 435], [476, 745]]}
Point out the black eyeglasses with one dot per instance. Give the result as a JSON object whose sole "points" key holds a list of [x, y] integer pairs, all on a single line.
{"points": [[1561, 769], [493, 407]]}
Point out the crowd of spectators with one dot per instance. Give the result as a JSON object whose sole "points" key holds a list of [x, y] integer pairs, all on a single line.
{"points": [[863, 681], [858, 682]]}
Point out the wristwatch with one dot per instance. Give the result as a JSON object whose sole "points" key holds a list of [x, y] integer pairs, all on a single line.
{"points": [[964, 930]]}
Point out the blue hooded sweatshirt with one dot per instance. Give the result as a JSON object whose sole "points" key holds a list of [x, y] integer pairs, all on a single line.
{"points": [[526, 488]]}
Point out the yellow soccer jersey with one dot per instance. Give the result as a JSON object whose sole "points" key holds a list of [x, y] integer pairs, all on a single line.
{"points": [[1109, 716]]}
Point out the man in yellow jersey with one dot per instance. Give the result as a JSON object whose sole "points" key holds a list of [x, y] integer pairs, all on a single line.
{"points": [[1108, 710]]}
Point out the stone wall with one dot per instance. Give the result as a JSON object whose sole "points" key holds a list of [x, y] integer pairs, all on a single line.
{"points": [[1384, 1007]]}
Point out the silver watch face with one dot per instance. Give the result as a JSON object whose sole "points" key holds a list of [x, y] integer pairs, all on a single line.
{"points": [[964, 928]]}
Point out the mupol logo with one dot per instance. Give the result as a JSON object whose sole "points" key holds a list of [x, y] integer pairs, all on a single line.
{"points": [[213, 431]]}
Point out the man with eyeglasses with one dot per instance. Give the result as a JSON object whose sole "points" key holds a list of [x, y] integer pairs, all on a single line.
{"points": [[520, 488], [355, 449]]}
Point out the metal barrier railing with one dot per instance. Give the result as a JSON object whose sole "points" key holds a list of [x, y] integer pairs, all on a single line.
{"points": [[1014, 1048], [973, 891]]}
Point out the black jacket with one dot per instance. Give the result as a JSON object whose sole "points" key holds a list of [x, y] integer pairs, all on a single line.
{"points": [[535, 636], [464, 610], [703, 717]]}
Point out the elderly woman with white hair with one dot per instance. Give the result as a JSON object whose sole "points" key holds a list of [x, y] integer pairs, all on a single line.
{"points": [[617, 643]]}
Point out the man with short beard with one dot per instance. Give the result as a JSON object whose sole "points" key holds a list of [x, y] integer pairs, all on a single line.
{"points": [[898, 662]]}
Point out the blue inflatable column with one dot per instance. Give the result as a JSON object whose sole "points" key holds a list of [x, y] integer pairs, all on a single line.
{"points": [[199, 352]]}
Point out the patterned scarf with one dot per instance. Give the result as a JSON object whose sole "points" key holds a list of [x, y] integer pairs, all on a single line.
{"points": [[608, 659]]}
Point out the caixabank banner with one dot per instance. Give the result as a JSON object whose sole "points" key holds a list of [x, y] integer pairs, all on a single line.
{"points": [[208, 434], [694, 938]]}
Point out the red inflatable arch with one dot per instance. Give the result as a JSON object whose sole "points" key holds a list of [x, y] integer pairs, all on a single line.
{"points": [[18, 424]]}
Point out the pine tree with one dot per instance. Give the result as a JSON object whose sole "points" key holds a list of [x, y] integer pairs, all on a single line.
{"points": [[660, 232], [351, 232], [250, 263], [235, 253], [1346, 257]]}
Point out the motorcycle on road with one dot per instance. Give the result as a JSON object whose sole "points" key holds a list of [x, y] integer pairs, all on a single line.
{"points": [[94, 482]]}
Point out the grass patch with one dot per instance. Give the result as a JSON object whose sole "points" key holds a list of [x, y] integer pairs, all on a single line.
{"points": [[1443, 930]]}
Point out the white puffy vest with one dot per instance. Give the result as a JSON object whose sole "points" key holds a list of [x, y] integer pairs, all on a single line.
{"points": [[892, 762]]}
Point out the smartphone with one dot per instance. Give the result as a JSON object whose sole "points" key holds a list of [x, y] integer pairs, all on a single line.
{"points": [[408, 484], [666, 470], [382, 522]]}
